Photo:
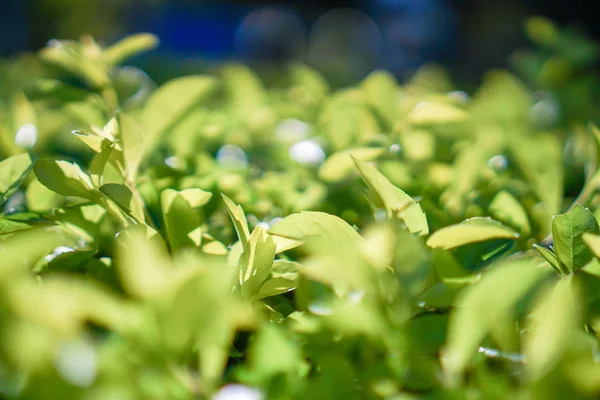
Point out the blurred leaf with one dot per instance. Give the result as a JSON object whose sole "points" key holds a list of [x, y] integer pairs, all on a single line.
{"points": [[480, 308], [8, 226], [169, 104], [550, 256], [432, 112], [129, 47], [340, 164], [312, 224], [556, 318], [180, 220], [505, 208], [13, 172]]}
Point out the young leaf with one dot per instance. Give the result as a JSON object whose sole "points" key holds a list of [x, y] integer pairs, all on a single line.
{"points": [[256, 262], [65, 178], [396, 203], [435, 112], [129, 47], [238, 217], [134, 144], [9, 226], [555, 320], [143, 264], [339, 165], [170, 103], [567, 232], [505, 208], [13, 172], [180, 220], [470, 231], [551, 258], [310, 224], [121, 195]]}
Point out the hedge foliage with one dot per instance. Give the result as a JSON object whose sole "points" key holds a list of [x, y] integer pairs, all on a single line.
{"points": [[216, 237]]}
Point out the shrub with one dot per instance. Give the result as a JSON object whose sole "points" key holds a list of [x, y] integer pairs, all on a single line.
{"points": [[215, 238]]}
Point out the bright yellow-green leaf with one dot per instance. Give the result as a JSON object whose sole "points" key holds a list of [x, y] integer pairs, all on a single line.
{"points": [[554, 322], [256, 262], [394, 201], [65, 178], [170, 103], [470, 231], [129, 47], [238, 217], [434, 112], [481, 306], [180, 219], [312, 224], [505, 208], [340, 164]]}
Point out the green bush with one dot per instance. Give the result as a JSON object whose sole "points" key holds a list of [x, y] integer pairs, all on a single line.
{"points": [[215, 238]]}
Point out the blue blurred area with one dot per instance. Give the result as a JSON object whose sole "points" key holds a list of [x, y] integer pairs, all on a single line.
{"points": [[205, 30], [344, 39]]}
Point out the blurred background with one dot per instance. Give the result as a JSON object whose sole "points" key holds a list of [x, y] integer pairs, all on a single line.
{"points": [[343, 39]]}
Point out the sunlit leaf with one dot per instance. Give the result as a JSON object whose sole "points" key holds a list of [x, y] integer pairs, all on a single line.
{"points": [[470, 231], [64, 178], [130, 46], [396, 203]]}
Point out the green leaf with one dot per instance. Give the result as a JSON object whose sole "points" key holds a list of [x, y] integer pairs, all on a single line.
{"points": [[21, 250], [593, 242], [435, 112], [256, 262], [540, 160], [443, 294], [550, 256], [381, 92], [13, 172], [470, 231], [8, 226], [272, 354], [313, 224], [238, 217], [567, 231], [123, 196], [142, 263], [134, 141], [65, 178], [505, 208], [129, 47], [180, 220], [170, 103], [480, 307], [338, 166], [196, 197], [555, 320], [396, 203]]}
